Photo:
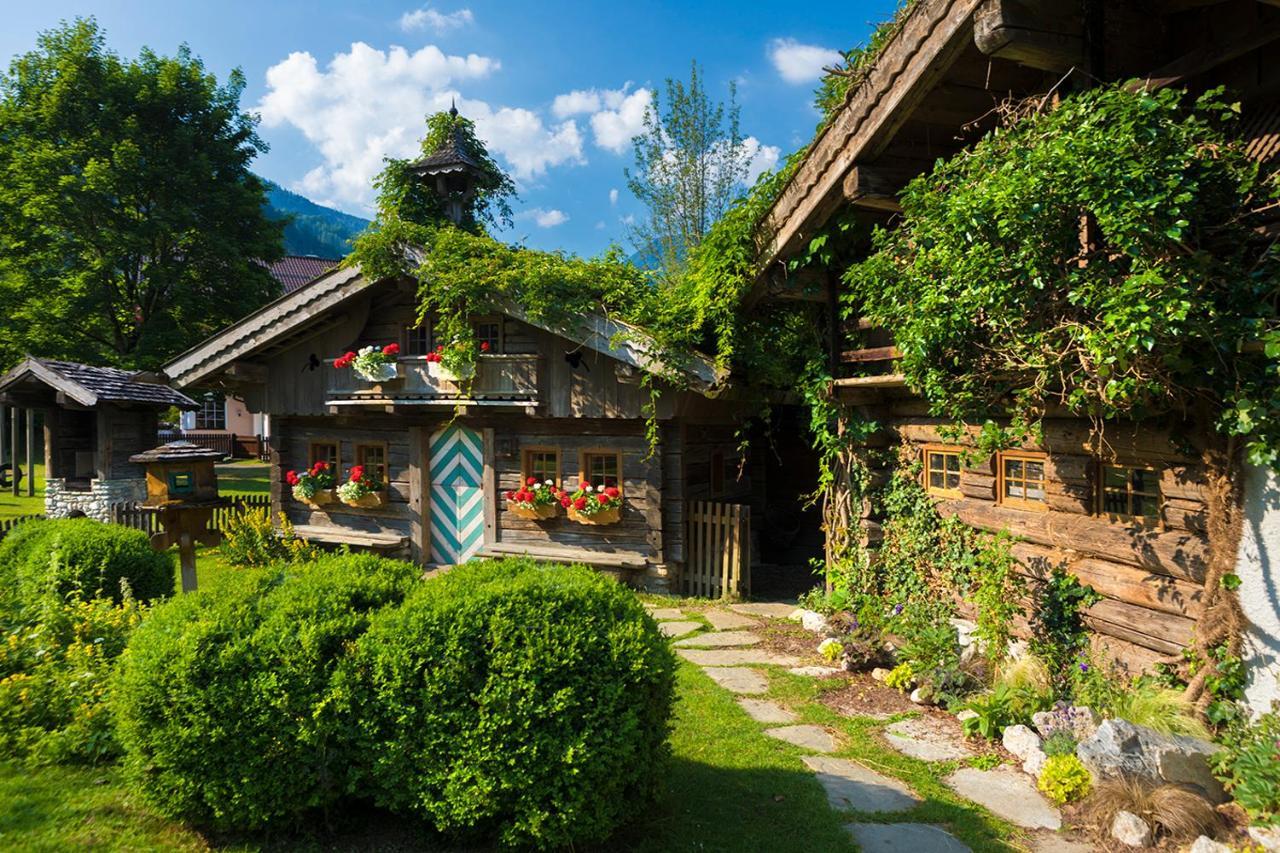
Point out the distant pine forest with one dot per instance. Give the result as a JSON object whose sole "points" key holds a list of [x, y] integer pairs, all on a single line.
{"points": [[314, 229]]}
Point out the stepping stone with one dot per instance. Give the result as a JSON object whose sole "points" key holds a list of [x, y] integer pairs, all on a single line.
{"points": [[772, 609], [814, 738], [738, 679], [1058, 844], [724, 620], [677, 629], [849, 785], [1008, 793], [723, 638], [734, 657], [905, 838], [764, 711], [661, 613], [816, 671], [925, 739]]}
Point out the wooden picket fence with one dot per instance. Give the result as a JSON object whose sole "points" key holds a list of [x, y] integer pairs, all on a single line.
{"points": [[717, 550], [133, 515], [9, 523]]}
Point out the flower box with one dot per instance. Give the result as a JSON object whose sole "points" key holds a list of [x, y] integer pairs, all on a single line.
{"points": [[604, 516], [439, 371], [379, 373], [321, 498], [537, 513], [372, 500]]}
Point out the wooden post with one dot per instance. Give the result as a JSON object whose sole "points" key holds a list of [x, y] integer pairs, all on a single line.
{"points": [[187, 559], [13, 449], [4, 432], [31, 453]]}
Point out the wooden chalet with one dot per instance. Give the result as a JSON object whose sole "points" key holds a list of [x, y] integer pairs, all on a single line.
{"points": [[1132, 523], [564, 404]]}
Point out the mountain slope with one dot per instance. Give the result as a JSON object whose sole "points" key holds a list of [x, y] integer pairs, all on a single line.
{"points": [[315, 229]]}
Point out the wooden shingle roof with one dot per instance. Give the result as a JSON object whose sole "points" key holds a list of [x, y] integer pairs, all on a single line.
{"points": [[89, 385]]}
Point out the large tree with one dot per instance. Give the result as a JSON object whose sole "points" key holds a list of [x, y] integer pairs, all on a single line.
{"points": [[690, 163], [130, 224]]}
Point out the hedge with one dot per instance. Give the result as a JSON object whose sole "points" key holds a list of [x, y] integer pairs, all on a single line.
{"points": [[224, 701], [512, 700], [48, 561]]}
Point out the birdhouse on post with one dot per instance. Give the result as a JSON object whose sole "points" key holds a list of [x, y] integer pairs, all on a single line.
{"points": [[182, 488]]}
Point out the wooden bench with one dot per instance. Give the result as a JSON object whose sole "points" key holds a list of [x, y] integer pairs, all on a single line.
{"points": [[624, 561], [354, 538]]}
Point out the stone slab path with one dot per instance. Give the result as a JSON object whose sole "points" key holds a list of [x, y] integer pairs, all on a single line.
{"points": [[738, 679], [726, 620], [720, 639], [772, 609], [816, 671], [850, 785], [734, 657], [661, 613], [905, 838], [814, 738], [764, 711], [677, 629], [1008, 793], [926, 739]]}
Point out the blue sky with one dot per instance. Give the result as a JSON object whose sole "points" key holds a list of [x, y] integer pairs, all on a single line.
{"points": [[556, 88]]}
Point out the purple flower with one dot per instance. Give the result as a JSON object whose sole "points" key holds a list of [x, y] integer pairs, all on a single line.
{"points": [[897, 609], [1084, 667]]}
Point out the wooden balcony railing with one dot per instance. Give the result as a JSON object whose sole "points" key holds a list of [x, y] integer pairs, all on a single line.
{"points": [[498, 378]]}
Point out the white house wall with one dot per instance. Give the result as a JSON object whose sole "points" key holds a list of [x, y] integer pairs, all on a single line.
{"points": [[1258, 566]]}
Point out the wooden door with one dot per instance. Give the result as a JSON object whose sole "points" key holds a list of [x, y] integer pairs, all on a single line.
{"points": [[456, 465]]}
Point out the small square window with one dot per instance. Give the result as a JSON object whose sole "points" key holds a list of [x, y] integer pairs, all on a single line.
{"points": [[374, 459], [417, 339], [601, 469], [181, 482], [324, 451], [942, 471], [1022, 480], [542, 464], [1130, 492], [489, 332]]}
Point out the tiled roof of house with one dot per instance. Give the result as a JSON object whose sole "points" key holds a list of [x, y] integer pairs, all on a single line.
{"points": [[89, 385], [176, 451], [293, 271]]}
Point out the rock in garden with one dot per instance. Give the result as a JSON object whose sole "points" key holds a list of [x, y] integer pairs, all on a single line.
{"points": [[1130, 830], [1033, 762], [1077, 719], [966, 714], [922, 696], [816, 671], [964, 631], [725, 620], [879, 673], [1008, 794], [1205, 844], [1267, 837], [1021, 741], [1120, 747], [810, 620], [830, 648]]}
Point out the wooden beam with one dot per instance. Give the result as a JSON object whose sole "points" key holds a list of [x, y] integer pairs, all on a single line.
{"points": [[888, 380], [1047, 36], [1242, 40], [31, 453], [867, 354], [13, 449]]}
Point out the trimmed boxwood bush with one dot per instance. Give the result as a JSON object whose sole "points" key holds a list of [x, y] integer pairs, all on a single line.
{"points": [[48, 561], [524, 702], [224, 701]]}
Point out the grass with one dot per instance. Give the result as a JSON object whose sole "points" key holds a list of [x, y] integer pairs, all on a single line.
{"points": [[245, 477], [11, 507]]}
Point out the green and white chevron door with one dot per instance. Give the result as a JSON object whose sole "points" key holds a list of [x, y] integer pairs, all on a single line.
{"points": [[456, 465]]}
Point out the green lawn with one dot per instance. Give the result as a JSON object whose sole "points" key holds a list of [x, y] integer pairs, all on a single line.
{"points": [[245, 477], [11, 507]]}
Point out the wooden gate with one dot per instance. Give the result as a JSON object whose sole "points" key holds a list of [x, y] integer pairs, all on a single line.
{"points": [[717, 550]]}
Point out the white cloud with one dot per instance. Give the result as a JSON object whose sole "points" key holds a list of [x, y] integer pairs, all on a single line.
{"points": [[544, 218], [617, 115], [613, 197], [600, 226], [801, 63], [427, 18], [369, 104], [760, 158]]}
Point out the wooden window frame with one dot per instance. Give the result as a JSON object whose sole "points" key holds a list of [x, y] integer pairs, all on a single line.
{"points": [[599, 451], [408, 329], [218, 406], [326, 442], [356, 453], [1100, 493], [1023, 456], [500, 322], [525, 467], [941, 449]]}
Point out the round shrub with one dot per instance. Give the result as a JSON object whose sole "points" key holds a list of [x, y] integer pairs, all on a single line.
{"points": [[513, 700], [224, 698], [52, 560]]}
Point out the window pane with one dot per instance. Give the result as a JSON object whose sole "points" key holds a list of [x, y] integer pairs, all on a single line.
{"points": [[418, 340], [542, 465], [953, 462], [935, 480], [1141, 479], [1013, 469], [1145, 507], [1014, 489], [953, 481], [488, 333], [1115, 478], [374, 459], [1114, 502], [1035, 471], [602, 470], [327, 452]]}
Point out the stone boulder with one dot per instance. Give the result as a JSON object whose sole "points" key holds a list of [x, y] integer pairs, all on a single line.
{"points": [[1122, 748], [810, 620], [1130, 830], [1205, 844], [1021, 741]]}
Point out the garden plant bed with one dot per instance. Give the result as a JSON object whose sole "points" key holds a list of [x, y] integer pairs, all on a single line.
{"points": [[863, 696]]}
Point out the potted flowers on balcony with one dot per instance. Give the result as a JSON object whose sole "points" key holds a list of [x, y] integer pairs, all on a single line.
{"points": [[362, 489], [534, 500], [590, 505], [374, 364], [455, 362], [313, 487]]}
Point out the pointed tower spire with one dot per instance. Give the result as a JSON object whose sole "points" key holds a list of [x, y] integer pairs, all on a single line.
{"points": [[451, 169]]}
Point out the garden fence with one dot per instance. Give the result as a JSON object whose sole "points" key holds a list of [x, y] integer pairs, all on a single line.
{"points": [[718, 550], [135, 516], [229, 444], [8, 524]]}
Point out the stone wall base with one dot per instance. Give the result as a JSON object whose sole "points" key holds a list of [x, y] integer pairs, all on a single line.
{"points": [[96, 503]]}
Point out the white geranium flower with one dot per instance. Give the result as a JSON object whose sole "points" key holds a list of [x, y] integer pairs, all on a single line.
{"points": [[587, 488]]}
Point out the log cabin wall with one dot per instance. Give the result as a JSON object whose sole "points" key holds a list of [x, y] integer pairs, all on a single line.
{"points": [[1149, 574]]}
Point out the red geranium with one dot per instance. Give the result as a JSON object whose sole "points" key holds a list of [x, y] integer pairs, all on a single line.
{"points": [[291, 478], [391, 349], [565, 501], [357, 473], [580, 504], [612, 492], [484, 346], [532, 481]]}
